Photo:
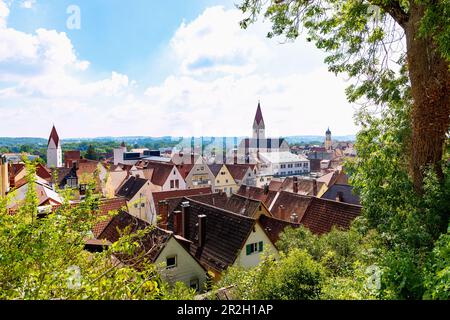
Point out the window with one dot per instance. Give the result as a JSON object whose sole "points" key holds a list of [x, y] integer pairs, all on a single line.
{"points": [[290, 165], [174, 172], [254, 247], [226, 181], [177, 184], [305, 165], [171, 262], [283, 166], [193, 284], [142, 205], [172, 183], [135, 205]]}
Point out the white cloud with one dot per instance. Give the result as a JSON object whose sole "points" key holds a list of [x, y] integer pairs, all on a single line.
{"points": [[219, 73], [28, 4], [4, 13]]}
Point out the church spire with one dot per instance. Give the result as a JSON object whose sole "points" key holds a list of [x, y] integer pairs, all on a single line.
{"points": [[53, 136], [258, 117]]}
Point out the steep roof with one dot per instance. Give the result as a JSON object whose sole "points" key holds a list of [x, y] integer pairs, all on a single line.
{"points": [[242, 205], [185, 169], [287, 203], [258, 116], [161, 171], [150, 245], [238, 171], [43, 172], [225, 235], [53, 136], [131, 187], [345, 190], [274, 227], [106, 206], [165, 195], [218, 199], [322, 214], [257, 194], [305, 186], [215, 168]]}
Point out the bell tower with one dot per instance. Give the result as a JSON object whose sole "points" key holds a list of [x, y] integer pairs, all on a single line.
{"points": [[259, 127], [54, 151], [328, 140]]}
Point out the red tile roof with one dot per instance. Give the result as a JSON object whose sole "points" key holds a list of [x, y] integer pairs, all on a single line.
{"points": [[257, 194], [274, 227], [43, 172], [165, 195], [287, 203], [238, 171], [107, 206], [321, 215], [161, 171]]}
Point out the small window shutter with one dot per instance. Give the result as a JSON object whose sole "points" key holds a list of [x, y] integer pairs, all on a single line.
{"points": [[261, 246], [249, 249]]}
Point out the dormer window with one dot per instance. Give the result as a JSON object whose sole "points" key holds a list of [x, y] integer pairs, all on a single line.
{"points": [[171, 262]]}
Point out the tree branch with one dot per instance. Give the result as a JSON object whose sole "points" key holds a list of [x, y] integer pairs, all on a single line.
{"points": [[394, 9]]}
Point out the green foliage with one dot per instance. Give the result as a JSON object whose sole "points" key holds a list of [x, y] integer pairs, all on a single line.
{"points": [[44, 257], [437, 270], [295, 276]]}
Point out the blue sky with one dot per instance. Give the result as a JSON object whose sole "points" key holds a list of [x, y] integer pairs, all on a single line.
{"points": [[179, 67]]}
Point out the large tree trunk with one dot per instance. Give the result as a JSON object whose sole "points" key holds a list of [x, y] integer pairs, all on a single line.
{"points": [[430, 88]]}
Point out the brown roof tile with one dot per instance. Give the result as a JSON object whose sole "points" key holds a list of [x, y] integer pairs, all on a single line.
{"points": [[274, 227], [257, 194], [225, 235], [321, 215], [287, 203]]}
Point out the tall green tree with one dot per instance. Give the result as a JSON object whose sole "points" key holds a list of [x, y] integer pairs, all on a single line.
{"points": [[91, 154], [371, 40]]}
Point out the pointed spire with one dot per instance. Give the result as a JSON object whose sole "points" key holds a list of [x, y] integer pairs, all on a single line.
{"points": [[258, 117], [53, 136], [328, 131]]}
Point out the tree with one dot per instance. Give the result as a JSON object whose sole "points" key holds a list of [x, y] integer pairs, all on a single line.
{"points": [[364, 39], [90, 153], [44, 257]]}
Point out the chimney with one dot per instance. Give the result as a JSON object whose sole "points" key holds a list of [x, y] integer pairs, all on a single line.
{"points": [[192, 158], [201, 230], [314, 187], [340, 196], [185, 212], [282, 212], [177, 221], [163, 210], [294, 217], [295, 187]]}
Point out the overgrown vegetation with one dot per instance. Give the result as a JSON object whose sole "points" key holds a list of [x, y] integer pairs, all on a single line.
{"points": [[44, 257]]}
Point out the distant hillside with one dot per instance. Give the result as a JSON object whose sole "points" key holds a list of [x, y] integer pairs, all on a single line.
{"points": [[141, 140]]}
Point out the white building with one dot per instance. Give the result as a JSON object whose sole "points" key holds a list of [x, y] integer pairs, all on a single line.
{"points": [[54, 151], [283, 164]]}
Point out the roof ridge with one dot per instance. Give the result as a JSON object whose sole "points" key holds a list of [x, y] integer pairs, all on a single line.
{"points": [[220, 209]]}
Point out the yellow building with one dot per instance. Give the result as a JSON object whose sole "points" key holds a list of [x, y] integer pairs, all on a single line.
{"points": [[223, 180]]}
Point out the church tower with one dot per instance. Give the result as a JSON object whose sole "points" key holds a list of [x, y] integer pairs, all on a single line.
{"points": [[328, 140], [258, 125], [54, 151]]}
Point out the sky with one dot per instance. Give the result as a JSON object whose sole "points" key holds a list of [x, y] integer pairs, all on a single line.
{"points": [[97, 68]]}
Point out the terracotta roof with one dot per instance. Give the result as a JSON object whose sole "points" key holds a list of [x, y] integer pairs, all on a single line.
{"points": [[238, 171], [225, 235], [165, 195], [321, 215], [258, 116], [218, 199], [86, 167], [150, 245], [257, 194], [287, 203], [15, 168], [53, 136], [274, 227], [242, 205], [72, 155], [43, 172], [185, 169], [161, 171], [106, 206], [305, 186], [131, 187], [345, 191], [275, 185]]}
